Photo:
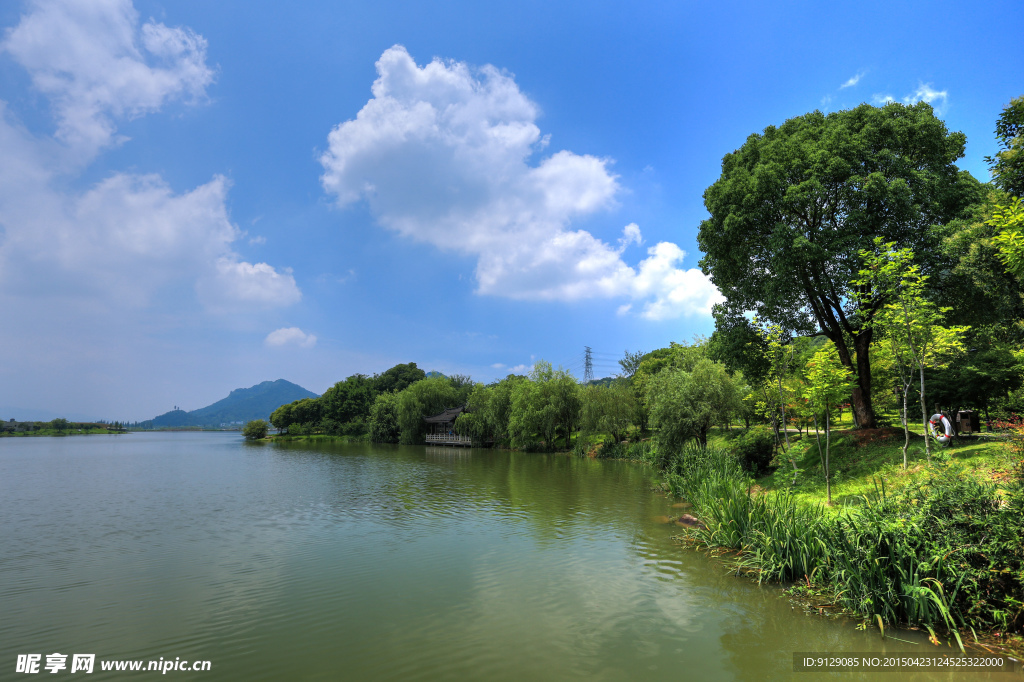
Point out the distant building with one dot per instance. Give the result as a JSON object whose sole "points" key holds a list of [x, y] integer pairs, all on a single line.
{"points": [[441, 428]]}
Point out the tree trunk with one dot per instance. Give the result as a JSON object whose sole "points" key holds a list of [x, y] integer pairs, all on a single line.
{"points": [[924, 418], [828, 444], [906, 424], [860, 398], [782, 403]]}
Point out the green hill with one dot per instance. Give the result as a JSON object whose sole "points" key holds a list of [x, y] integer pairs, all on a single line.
{"points": [[241, 405]]}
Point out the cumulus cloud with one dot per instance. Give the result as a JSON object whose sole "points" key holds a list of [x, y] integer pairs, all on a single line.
{"points": [[880, 100], [290, 336], [442, 154], [127, 235], [852, 81], [95, 63]]}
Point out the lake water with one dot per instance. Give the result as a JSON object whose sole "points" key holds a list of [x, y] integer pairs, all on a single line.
{"points": [[333, 562]]}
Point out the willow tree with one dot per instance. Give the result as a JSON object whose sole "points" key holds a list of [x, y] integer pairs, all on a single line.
{"points": [[796, 204]]}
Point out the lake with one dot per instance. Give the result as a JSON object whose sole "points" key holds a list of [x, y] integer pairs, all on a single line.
{"points": [[322, 561]]}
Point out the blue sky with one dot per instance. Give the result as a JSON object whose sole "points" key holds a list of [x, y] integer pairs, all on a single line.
{"points": [[201, 196]]}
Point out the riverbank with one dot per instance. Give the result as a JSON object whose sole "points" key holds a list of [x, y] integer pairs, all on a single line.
{"points": [[67, 432], [936, 546], [316, 437]]}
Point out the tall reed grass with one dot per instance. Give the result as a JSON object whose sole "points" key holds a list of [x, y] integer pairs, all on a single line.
{"points": [[919, 557]]}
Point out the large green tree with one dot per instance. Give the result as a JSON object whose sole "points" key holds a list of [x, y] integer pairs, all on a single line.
{"points": [[543, 406], [685, 404], [796, 204], [607, 409], [397, 378], [347, 400], [489, 408]]}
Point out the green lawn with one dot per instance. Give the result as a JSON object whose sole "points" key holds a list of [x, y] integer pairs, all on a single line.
{"points": [[860, 459]]}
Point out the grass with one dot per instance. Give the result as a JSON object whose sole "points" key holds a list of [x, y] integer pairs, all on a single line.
{"points": [[938, 545], [858, 461]]}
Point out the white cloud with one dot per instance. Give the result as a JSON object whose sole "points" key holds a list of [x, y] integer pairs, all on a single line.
{"points": [[498, 365], [290, 336], [925, 93], [96, 64], [238, 281], [442, 155], [852, 81], [669, 290], [128, 235]]}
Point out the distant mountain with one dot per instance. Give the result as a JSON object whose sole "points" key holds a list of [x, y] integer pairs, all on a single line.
{"points": [[241, 405]]}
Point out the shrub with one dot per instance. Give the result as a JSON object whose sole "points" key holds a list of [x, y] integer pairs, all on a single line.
{"points": [[611, 450], [754, 449], [255, 430]]}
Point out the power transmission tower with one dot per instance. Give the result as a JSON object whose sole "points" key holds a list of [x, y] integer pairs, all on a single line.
{"points": [[588, 365]]}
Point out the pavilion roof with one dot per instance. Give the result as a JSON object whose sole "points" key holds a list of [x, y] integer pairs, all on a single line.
{"points": [[448, 415]]}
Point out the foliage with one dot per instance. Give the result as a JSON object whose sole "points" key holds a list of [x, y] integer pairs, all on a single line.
{"points": [[1008, 164], [542, 407], [344, 409], [973, 280], [778, 354], [946, 551], [977, 378], [1009, 222], [1013, 431], [398, 378], [678, 355], [685, 404], [489, 410], [828, 382], [60, 424], [383, 424], [427, 397], [906, 317], [796, 205], [255, 429], [738, 344], [754, 449], [607, 409], [630, 362], [347, 400]]}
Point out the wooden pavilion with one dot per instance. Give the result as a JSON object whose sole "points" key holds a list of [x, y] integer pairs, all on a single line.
{"points": [[441, 428]]}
